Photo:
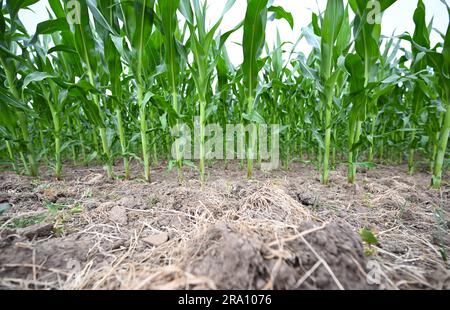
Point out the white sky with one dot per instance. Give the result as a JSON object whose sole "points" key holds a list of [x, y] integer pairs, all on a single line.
{"points": [[398, 18]]}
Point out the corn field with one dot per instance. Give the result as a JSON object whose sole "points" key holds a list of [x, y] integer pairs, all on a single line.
{"points": [[137, 153], [108, 80]]}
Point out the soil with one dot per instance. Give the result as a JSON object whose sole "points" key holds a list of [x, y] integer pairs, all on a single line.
{"points": [[282, 230]]}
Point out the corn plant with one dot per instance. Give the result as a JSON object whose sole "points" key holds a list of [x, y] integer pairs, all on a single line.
{"points": [[138, 19], [13, 65], [362, 65], [202, 45], [335, 33], [252, 44], [440, 62], [422, 37], [85, 45], [107, 26]]}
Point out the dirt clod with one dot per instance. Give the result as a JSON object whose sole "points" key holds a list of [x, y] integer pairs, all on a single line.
{"points": [[37, 231], [156, 240], [94, 179], [337, 249], [232, 259], [52, 260], [229, 259], [118, 214]]}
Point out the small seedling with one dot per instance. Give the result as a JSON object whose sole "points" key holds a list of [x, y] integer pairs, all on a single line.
{"points": [[76, 210], [54, 208], [368, 236], [27, 221], [153, 201], [370, 239]]}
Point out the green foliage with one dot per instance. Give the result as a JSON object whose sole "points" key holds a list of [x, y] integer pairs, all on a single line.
{"points": [[368, 236], [116, 84], [54, 208], [23, 222]]}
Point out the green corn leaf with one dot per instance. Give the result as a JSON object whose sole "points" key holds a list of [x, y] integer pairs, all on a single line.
{"points": [[35, 77], [2, 25], [172, 58], [368, 236], [253, 42], [98, 16], [84, 41], [7, 117], [14, 6], [355, 67], [316, 26], [367, 165], [343, 40], [334, 16], [92, 112], [360, 6], [49, 27], [254, 117], [319, 139], [62, 48], [57, 8], [421, 35], [6, 98], [224, 37], [311, 37], [281, 13]]}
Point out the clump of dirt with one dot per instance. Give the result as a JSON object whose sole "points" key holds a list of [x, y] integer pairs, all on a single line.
{"points": [[327, 256], [319, 257], [118, 215], [272, 199], [229, 259], [51, 261]]}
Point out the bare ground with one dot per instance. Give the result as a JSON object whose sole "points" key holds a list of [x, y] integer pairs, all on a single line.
{"points": [[279, 231]]}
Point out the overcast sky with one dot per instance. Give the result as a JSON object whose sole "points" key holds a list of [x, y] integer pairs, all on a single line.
{"points": [[398, 18]]}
